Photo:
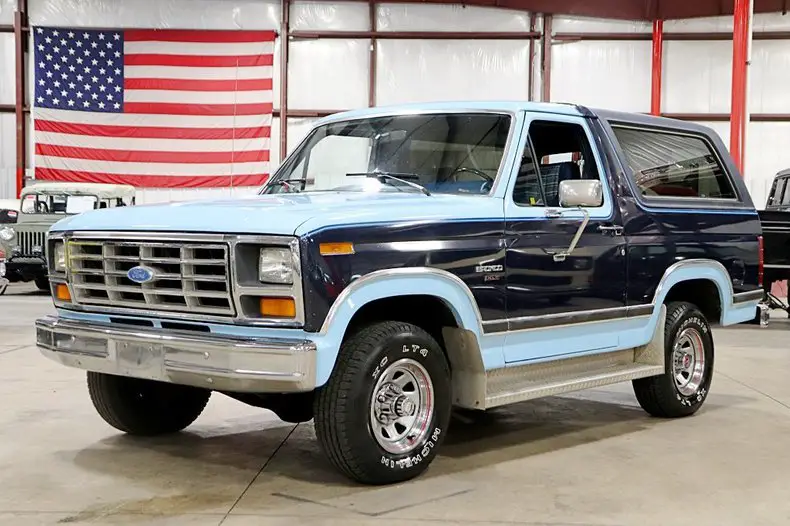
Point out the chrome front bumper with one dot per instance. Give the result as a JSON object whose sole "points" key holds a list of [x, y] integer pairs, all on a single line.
{"points": [[218, 362]]}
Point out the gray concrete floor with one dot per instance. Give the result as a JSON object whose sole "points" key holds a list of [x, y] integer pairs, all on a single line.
{"points": [[591, 459]]}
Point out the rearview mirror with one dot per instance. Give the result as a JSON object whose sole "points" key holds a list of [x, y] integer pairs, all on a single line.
{"points": [[582, 193]]}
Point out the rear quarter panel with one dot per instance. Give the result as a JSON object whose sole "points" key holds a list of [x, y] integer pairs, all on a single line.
{"points": [[660, 234]]}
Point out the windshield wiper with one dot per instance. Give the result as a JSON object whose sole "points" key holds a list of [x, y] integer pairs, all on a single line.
{"points": [[383, 177]]}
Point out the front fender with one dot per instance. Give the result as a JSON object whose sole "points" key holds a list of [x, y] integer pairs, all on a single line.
{"points": [[390, 283]]}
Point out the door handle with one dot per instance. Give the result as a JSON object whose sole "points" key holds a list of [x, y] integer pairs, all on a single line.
{"points": [[617, 230]]}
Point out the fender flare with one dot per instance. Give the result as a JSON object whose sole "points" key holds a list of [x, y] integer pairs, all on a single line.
{"points": [[389, 283], [695, 269]]}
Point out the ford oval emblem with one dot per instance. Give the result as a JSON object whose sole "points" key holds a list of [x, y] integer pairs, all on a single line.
{"points": [[140, 274]]}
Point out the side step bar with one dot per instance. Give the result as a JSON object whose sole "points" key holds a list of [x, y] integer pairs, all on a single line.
{"points": [[476, 388]]}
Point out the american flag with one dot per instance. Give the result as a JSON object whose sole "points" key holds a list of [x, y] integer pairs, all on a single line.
{"points": [[153, 108]]}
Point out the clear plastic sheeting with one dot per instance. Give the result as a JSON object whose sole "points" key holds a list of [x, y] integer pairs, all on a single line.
{"points": [[612, 75], [329, 16], [423, 17], [328, 74], [430, 70], [770, 77], [181, 14], [7, 155], [7, 69], [7, 8], [567, 24], [697, 77], [761, 22], [766, 154]]}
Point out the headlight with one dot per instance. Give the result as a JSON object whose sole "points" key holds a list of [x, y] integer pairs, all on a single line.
{"points": [[59, 257], [276, 266], [7, 234]]}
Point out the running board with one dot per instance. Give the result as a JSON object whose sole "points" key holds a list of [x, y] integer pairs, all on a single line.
{"points": [[476, 388], [516, 384]]}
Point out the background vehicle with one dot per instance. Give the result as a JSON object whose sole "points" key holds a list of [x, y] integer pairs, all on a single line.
{"points": [[775, 221], [405, 260], [42, 205], [9, 211]]}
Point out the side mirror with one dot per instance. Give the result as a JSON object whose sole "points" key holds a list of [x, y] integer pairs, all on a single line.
{"points": [[580, 193]]}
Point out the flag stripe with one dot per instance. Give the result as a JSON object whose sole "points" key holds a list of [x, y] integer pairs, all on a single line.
{"points": [[177, 144], [190, 35], [165, 108], [198, 97], [199, 48], [146, 59], [215, 73], [185, 121], [151, 132], [151, 156], [198, 85], [152, 181], [182, 170]]}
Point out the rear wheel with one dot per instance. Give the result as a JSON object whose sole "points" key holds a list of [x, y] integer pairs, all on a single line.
{"points": [[145, 407], [385, 410], [688, 347]]}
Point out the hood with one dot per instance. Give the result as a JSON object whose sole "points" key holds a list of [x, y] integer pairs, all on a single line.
{"points": [[284, 214]]}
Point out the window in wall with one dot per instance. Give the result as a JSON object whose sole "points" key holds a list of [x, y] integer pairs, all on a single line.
{"points": [[564, 153], [672, 165]]}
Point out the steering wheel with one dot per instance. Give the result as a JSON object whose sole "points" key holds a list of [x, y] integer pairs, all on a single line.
{"points": [[475, 171]]}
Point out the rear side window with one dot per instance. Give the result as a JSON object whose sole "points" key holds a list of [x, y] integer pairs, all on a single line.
{"points": [[674, 166]]}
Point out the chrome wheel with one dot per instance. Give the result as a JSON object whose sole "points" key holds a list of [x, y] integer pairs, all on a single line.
{"points": [[688, 361], [402, 406]]}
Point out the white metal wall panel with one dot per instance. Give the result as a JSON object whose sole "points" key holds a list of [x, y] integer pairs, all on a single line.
{"points": [[419, 17], [762, 22], [182, 14], [7, 69], [569, 24], [328, 74], [330, 16], [767, 152], [7, 8], [697, 77], [769, 77], [428, 70], [7, 155], [613, 75]]}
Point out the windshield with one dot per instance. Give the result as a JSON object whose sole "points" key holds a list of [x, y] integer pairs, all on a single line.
{"points": [[443, 153], [58, 204]]}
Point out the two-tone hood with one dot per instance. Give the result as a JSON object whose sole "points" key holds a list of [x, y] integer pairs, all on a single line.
{"points": [[285, 214]]}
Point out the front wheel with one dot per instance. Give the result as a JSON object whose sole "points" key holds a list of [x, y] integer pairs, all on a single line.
{"points": [[145, 407], [385, 409], [688, 347]]}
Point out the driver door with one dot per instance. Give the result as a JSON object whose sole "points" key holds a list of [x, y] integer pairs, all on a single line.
{"points": [[559, 303]]}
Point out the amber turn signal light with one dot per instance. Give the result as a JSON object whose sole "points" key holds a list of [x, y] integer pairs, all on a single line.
{"points": [[62, 292], [336, 249], [278, 308]]}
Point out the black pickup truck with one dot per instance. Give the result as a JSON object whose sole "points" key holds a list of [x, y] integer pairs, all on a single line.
{"points": [[775, 220]]}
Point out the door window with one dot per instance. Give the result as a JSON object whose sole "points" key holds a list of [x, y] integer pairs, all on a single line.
{"points": [[555, 152]]}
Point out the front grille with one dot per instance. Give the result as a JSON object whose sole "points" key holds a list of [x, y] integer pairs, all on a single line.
{"points": [[31, 243], [188, 277]]}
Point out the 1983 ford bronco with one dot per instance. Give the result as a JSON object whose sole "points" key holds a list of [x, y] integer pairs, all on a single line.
{"points": [[402, 261]]}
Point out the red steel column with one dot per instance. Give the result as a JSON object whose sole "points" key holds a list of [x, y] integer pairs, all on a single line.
{"points": [[20, 21], [740, 57], [658, 64]]}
